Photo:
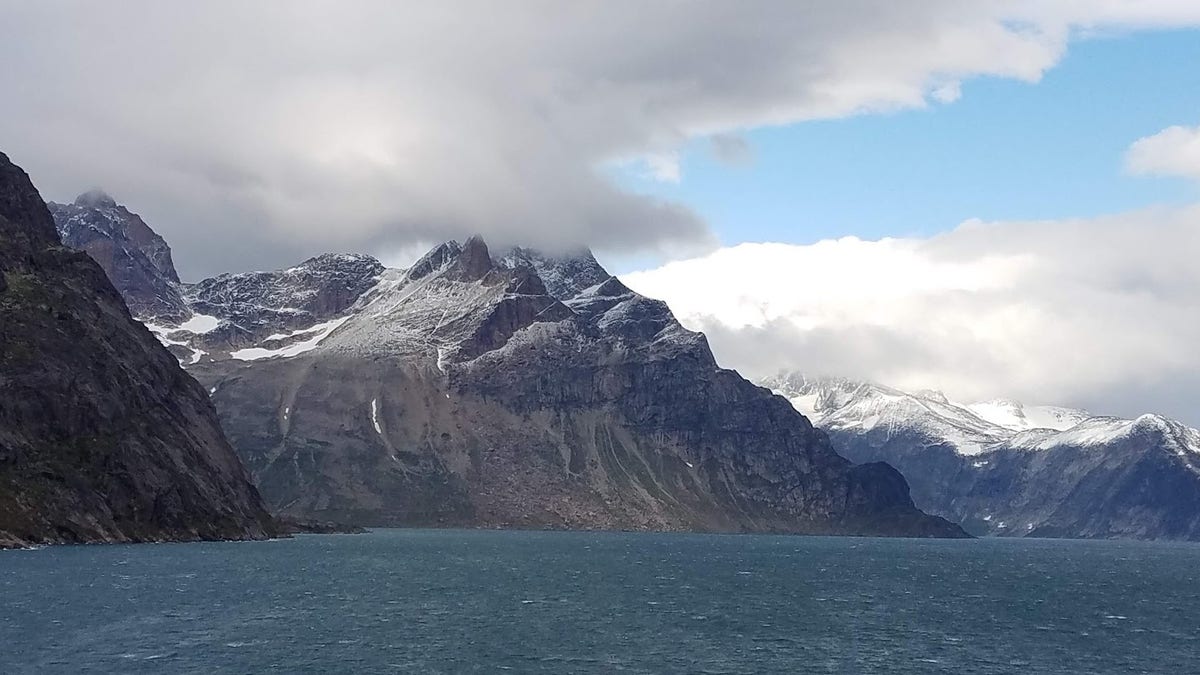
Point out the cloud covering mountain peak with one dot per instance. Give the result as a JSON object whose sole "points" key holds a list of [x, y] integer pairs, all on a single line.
{"points": [[298, 127]]}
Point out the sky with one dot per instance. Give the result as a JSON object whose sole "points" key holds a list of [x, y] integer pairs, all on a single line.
{"points": [[992, 198], [1006, 149]]}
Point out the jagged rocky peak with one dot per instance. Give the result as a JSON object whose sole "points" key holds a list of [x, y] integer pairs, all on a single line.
{"points": [[437, 258], [117, 222], [102, 436], [456, 301], [133, 256], [474, 261], [564, 274], [469, 261]]}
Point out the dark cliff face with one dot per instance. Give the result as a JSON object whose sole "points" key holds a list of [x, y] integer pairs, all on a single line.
{"points": [[135, 258], [468, 391], [103, 437]]}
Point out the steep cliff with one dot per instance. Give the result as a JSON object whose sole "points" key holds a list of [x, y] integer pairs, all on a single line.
{"points": [[103, 437]]}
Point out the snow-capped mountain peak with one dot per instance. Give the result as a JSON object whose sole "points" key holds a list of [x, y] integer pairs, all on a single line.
{"points": [[838, 403], [1004, 468], [970, 429]]}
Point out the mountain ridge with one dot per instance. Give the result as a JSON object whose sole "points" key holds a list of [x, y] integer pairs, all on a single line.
{"points": [[468, 390], [1078, 476]]}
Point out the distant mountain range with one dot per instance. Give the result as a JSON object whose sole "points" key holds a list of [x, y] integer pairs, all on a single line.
{"points": [[517, 390], [1002, 468]]}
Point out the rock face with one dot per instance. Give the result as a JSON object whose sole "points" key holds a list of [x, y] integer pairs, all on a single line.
{"points": [[103, 437], [217, 315], [467, 391], [136, 260], [1004, 469], [245, 309]]}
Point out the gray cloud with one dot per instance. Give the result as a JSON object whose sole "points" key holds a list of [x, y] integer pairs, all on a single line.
{"points": [[254, 133], [1098, 313]]}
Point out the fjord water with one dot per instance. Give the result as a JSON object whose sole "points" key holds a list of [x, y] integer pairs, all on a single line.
{"points": [[433, 601]]}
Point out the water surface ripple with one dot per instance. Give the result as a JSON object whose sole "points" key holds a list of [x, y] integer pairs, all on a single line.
{"points": [[443, 601]]}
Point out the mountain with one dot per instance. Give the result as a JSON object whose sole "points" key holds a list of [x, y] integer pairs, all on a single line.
{"points": [[521, 390], [136, 260], [1002, 468], [103, 437]]}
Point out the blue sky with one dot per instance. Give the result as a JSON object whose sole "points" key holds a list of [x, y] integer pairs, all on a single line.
{"points": [[1005, 150]]}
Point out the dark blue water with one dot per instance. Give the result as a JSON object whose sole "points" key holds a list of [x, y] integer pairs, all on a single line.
{"points": [[462, 601]]}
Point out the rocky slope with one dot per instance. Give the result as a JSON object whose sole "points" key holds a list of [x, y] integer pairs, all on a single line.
{"points": [[103, 437], [461, 392], [1004, 469], [517, 391]]}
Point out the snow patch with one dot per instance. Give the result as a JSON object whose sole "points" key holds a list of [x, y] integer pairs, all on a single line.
{"points": [[320, 332], [375, 416], [1017, 417], [296, 333], [806, 404], [200, 324]]}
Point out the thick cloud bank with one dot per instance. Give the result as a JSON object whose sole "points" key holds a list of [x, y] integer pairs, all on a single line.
{"points": [[1098, 313], [252, 133]]}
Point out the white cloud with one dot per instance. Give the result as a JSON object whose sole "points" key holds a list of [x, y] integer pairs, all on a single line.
{"points": [[1099, 313], [1174, 151], [296, 127], [664, 167]]}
